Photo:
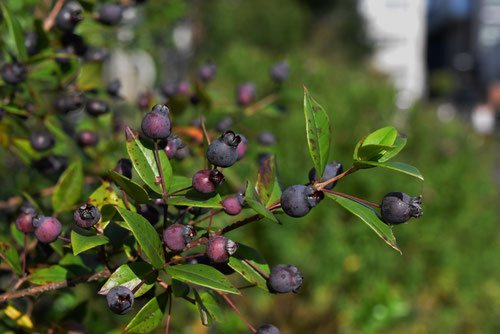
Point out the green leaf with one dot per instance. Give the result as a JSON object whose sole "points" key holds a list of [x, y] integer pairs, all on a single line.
{"points": [[208, 306], [245, 270], [146, 236], [130, 275], [150, 316], [15, 32], [202, 275], [68, 188], [9, 254], [253, 256], [194, 198], [372, 152], [253, 201], [267, 182], [381, 145], [384, 136], [80, 243], [399, 144], [368, 216], [318, 131], [106, 199], [143, 159], [179, 183], [90, 76], [138, 193], [396, 166], [49, 275]]}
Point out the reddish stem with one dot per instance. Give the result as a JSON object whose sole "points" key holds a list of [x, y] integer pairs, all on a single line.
{"points": [[235, 309], [257, 269], [169, 316], [321, 185], [352, 197], [160, 172]]}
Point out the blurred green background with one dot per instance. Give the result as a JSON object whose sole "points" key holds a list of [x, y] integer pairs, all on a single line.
{"points": [[448, 278]]}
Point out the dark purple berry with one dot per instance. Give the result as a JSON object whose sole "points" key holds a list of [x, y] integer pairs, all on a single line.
{"points": [[224, 124], [397, 208], [156, 124], [207, 72], [268, 329], [182, 153], [279, 72], [47, 229], [41, 140], [86, 215], [245, 94], [13, 73], [69, 16], [31, 42], [110, 14], [296, 201], [52, 164], [284, 278], [242, 146], [173, 144], [223, 152], [74, 43], [177, 236], [95, 107], [219, 248], [113, 87], [332, 169], [266, 138], [87, 138], [70, 102], [233, 204], [124, 167], [24, 221], [120, 299], [206, 181], [149, 212]]}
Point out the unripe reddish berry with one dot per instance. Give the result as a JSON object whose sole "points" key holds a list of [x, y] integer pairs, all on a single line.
{"points": [[24, 221], [219, 248], [47, 229], [177, 236], [206, 181]]}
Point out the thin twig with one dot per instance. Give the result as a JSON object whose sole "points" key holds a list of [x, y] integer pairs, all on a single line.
{"points": [[352, 197], [321, 185], [257, 269], [160, 171], [50, 20], [261, 104], [235, 309]]}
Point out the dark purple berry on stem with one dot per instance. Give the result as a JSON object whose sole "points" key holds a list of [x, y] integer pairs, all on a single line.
{"points": [[397, 208], [177, 236], [219, 248], [87, 138], [173, 144], [13, 73], [332, 169], [233, 204], [296, 201], [31, 42], [206, 180], [110, 14], [268, 329], [86, 215], [124, 167], [69, 16], [207, 72], [120, 299], [70, 102], [245, 94], [47, 229], [279, 72], [156, 124], [24, 221], [223, 152], [95, 107], [284, 278], [41, 140], [266, 138]]}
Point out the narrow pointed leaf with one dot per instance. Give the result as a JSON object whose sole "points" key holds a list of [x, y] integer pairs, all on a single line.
{"points": [[15, 32], [150, 315], [396, 166], [249, 273], [9, 254], [80, 243], [253, 201], [130, 275], [399, 144], [68, 188], [138, 193], [193, 198], [267, 182], [51, 274]]}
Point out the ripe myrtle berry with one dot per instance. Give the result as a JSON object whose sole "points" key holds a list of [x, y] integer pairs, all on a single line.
{"points": [[156, 123], [182, 153], [183, 89], [245, 94], [31, 42], [219, 248], [24, 221], [397, 208], [87, 138], [173, 144], [206, 181], [113, 87], [41, 140], [266, 138], [279, 72], [124, 167], [52, 164], [207, 72], [149, 212], [242, 146], [47, 229], [87, 215], [177, 236], [296, 201], [268, 329], [284, 278], [74, 43], [110, 14], [67, 103], [95, 107], [69, 16], [13, 73], [332, 169], [120, 299], [223, 152], [233, 204]]}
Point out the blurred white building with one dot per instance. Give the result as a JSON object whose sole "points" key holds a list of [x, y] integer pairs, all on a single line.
{"points": [[397, 29]]}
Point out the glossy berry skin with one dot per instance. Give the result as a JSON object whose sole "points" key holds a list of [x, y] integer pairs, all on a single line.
{"points": [[47, 229], [31, 42], [219, 248], [296, 201], [173, 144], [207, 72], [177, 236], [206, 181], [124, 167], [332, 169], [87, 138], [397, 208], [284, 278], [13, 73], [223, 152], [86, 216], [233, 204], [245, 94], [41, 140], [279, 72], [266, 138], [67, 103], [242, 147], [110, 14], [95, 107], [69, 16], [268, 329], [120, 299], [156, 124], [24, 221]]}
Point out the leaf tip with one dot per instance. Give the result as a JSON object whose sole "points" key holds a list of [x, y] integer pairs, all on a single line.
{"points": [[131, 134]]}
